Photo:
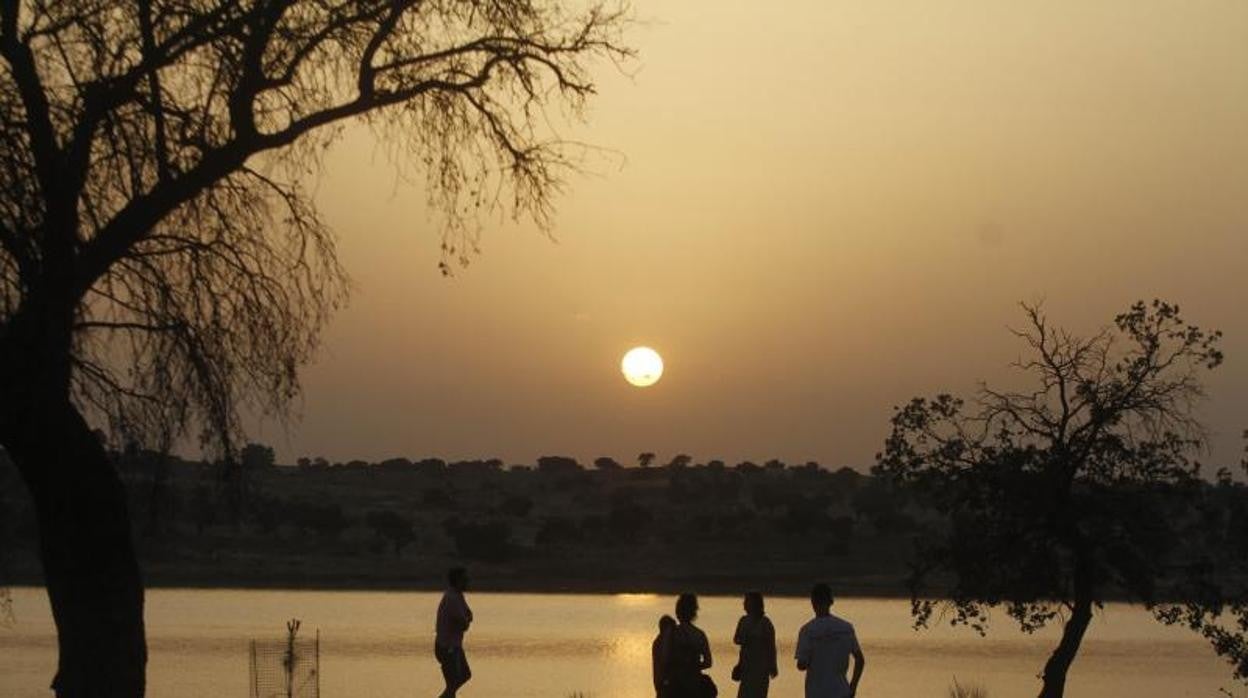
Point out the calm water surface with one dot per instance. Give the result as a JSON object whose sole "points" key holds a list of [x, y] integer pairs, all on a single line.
{"points": [[550, 646]]}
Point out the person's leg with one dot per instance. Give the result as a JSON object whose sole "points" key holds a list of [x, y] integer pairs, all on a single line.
{"points": [[465, 672], [446, 661], [753, 684]]}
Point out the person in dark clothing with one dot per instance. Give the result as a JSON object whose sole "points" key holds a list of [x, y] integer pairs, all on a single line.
{"points": [[756, 665], [666, 624], [686, 653], [453, 620]]}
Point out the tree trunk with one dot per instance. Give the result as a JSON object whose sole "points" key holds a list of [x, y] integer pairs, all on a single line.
{"points": [[89, 563], [1058, 666]]}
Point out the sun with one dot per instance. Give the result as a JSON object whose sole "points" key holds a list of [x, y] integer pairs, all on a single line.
{"points": [[642, 366]]}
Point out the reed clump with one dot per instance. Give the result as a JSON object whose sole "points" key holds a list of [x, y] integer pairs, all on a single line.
{"points": [[958, 690]]}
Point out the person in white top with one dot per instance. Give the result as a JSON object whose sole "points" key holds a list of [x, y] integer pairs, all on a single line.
{"points": [[824, 646]]}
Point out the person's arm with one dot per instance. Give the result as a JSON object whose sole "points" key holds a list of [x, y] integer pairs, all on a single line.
{"points": [[739, 636], [859, 662], [803, 652], [464, 615], [665, 650], [706, 653], [656, 662]]}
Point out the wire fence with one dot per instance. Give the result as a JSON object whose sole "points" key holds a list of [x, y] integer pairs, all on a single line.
{"points": [[289, 668]]}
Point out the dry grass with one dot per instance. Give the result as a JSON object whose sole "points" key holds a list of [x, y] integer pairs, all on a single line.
{"points": [[958, 690]]}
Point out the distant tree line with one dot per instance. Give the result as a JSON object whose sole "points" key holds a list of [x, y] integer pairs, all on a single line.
{"points": [[416, 502]]}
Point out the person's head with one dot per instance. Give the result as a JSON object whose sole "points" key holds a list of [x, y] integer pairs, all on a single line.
{"points": [[666, 623], [686, 608], [753, 603], [457, 578], [821, 598]]}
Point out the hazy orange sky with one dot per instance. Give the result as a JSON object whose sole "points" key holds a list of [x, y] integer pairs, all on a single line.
{"points": [[824, 210]]}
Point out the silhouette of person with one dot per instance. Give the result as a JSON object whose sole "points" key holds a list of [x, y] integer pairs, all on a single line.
{"points": [[666, 623], [453, 620], [686, 652], [756, 663], [824, 646]]}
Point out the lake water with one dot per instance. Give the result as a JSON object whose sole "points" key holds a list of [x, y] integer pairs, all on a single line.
{"points": [[379, 644]]}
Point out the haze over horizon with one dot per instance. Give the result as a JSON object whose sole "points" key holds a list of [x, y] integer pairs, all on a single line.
{"points": [[813, 216]]}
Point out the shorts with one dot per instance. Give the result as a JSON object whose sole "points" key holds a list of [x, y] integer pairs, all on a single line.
{"points": [[454, 664]]}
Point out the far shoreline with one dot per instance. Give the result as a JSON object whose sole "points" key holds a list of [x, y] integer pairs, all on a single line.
{"points": [[484, 582]]}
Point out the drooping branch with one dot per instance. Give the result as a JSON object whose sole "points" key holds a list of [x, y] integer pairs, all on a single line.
{"points": [[185, 128]]}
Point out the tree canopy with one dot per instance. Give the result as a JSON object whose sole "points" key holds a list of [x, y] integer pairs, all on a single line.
{"points": [[156, 155], [163, 267], [1073, 488]]}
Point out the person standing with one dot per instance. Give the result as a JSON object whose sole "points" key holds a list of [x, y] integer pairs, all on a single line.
{"points": [[666, 624], [453, 620], [824, 646], [756, 664], [686, 653]]}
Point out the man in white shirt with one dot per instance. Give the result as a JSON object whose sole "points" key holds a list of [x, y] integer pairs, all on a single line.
{"points": [[824, 646], [454, 617]]}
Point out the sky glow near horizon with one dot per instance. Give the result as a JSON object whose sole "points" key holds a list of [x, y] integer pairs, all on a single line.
{"points": [[815, 216]]}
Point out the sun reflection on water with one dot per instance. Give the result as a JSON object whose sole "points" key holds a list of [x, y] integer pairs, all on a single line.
{"points": [[630, 647], [636, 599]]}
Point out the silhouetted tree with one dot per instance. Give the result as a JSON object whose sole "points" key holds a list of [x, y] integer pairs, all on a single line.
{"points": [[476, 467], [430, 466], [845, 479], [606, 463], [680, 460], [255, 456], [395, 465], [645, 459], [746, 466], [160, 260], [555, 465], [1067, 491]]}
